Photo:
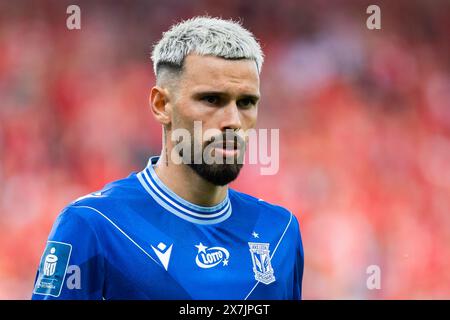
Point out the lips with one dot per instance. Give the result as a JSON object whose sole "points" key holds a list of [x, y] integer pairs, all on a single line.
{"points": [[226, 145]]}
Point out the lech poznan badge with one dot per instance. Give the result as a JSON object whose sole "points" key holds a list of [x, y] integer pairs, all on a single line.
{"points": [[261, 262]]}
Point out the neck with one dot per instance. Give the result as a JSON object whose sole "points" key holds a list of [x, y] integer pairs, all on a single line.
{"points": [[187, 184]]}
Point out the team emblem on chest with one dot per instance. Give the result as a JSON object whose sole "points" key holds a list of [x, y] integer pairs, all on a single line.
{"points": [[261, 262]]}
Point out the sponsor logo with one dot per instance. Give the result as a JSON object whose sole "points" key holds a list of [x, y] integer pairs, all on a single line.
{"points": [[209, 257]]}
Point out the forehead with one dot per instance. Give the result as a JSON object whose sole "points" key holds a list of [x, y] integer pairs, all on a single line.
{"points": [[215, 73]]}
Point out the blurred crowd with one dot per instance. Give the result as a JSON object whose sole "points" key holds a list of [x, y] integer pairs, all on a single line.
{"points": [[364, 119]]}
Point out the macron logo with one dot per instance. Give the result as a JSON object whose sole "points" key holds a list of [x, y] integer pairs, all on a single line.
{"points": [[163, 253]]}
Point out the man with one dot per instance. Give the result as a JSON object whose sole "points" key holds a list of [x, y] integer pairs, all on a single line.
{"points": [[175, 230]]}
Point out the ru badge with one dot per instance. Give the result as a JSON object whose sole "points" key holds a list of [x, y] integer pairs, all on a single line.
{"points": [[52, 269]]}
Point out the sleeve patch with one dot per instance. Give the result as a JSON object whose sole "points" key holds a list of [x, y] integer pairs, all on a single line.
{"points": [[52, 268]]}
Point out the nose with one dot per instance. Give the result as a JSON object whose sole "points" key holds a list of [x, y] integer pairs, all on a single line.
{"points": [[231, 117]]}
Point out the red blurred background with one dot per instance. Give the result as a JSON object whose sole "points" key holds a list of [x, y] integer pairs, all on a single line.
{"points": [[364, 119]]}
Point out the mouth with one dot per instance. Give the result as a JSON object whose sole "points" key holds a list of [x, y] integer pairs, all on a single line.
{"points": [[228, 148], [227, 144]]}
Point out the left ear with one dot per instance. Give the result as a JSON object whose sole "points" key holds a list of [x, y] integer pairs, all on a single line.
{"points": [[160, 105]]}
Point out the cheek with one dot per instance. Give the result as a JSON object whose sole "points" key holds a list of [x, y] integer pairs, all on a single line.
{"points": [[184, 116], [249, 118], [177, 120], [193, 110], [184, 113]]}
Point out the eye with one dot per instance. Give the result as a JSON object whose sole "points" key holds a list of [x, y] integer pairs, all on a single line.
{"points": [[246, 103], [211, 99]]}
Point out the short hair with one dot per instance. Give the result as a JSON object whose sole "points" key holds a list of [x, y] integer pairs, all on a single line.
{"points": [[205, 35]]}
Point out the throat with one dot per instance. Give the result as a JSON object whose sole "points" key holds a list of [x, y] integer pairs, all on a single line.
{"points": [[188, 185]]}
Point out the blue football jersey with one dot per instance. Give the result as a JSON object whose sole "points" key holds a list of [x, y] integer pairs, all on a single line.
{"points": [[137, 239]]}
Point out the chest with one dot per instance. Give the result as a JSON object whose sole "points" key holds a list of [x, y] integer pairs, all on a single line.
{"points": [[198, 265]]}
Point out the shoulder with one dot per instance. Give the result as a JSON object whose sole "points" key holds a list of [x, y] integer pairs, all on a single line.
{"points": [[122, 189], [269, 211], [119, 191], [113, 197]]}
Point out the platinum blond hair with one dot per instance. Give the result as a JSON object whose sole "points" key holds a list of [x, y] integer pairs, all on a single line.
{"points": [[206, 36]]}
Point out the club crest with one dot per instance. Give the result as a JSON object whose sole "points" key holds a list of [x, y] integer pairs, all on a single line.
{"points": [[261, 262]]}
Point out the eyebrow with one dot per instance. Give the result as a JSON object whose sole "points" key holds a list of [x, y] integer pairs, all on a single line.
{"points": [[199, 94]]}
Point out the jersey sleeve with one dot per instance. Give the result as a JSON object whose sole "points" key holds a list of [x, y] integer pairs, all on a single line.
{"points": [[72, 265], [299, 263]]}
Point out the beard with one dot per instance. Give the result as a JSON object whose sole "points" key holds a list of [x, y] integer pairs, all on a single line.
{"points": [[217, 174], [223, 172]]}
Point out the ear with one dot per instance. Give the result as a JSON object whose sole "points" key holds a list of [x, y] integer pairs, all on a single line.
{"points": [[160, 106]]}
